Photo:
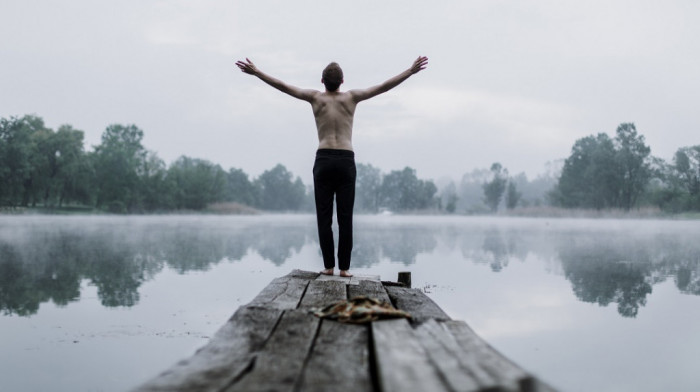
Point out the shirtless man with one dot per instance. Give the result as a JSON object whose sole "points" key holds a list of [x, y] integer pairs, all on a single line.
{"points": [[334, 168]]}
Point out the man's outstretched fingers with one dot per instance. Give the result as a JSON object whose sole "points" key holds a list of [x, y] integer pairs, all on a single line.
{"points": [[420, 64], [247, 67]]}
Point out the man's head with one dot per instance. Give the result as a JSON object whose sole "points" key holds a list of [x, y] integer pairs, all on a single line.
{"points": [[332, 76]]}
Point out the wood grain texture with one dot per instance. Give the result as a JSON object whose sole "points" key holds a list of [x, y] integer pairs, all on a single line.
{"points": [[276, 344], [278, 365], [321, 293], [282, 293], [415, 302], [506, 373], [226, 356], [339, 360], [442, 349], [354, 280], [402, 363], [367, 288], [301, 274]]}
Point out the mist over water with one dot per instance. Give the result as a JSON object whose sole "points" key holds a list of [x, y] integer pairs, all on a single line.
{"points": [[564, 298]]}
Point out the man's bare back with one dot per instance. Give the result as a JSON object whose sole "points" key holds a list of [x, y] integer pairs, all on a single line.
{"points": [[334, 111]]}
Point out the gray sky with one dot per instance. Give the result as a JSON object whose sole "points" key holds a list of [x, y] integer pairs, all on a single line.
{"points": [[509, 81]]}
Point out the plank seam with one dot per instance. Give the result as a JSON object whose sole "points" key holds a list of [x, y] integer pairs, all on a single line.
{"points": [[436, 366], [391, 298], [300, 380], [441, 371], [373, 371], [254, 358], [239, 376], [306, 287]]}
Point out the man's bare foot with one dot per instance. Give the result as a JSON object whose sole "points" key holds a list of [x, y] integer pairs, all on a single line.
{"points": [[345, 274], [328, 272]]}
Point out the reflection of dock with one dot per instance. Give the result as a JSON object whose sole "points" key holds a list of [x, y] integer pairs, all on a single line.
{"points": [[275, 343]]}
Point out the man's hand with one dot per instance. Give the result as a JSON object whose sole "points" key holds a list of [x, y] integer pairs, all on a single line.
{"points": [[419, 65], [367, 93], [248, 67]]}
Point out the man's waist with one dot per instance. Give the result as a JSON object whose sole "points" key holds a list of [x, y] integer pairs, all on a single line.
{"points": [[335, 152]]}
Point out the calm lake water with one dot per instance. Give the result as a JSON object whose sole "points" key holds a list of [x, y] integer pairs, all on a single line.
{"points": [[105, 303]]}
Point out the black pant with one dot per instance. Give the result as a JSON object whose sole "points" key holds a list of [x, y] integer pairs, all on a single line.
{"points": [[334, 175]]}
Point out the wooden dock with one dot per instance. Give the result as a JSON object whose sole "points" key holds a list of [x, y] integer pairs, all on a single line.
{"points": [[275, 343]]}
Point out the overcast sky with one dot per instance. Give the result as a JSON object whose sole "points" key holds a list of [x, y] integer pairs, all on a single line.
{"points": [[515, 82]]}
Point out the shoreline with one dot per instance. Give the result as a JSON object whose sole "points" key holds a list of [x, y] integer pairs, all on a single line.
{"points": [[227, 209]]}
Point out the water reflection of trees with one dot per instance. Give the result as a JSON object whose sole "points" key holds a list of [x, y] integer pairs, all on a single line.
{"points": [[602, 270], [397, 244], [278, 244], [604, 267], [45, 263], [23, 289], [682, 262], [493, 247], [48, 262], [619, 267]]}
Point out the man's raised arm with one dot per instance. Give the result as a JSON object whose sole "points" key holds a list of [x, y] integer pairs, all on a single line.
{"points": [[296, 92], [418, 65]]}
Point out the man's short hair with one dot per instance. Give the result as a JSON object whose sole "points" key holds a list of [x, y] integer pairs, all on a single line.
{"points": [[332, 76]]}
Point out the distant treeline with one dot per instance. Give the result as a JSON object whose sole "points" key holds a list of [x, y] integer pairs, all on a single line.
{"points": [[40, 167], [47, 168], [601, 173], [619, 172]]}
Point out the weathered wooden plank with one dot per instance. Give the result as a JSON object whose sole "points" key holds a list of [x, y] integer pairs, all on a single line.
{"points": [[301, 274], [373, 289], [402, 363], [419, 305], [282, 293], [339, 359], [440, 346], [228, 354], [279, 364], [320, 293], [275, 344], [357, 278], [333, 277], [354, 280], [506, 373]]}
